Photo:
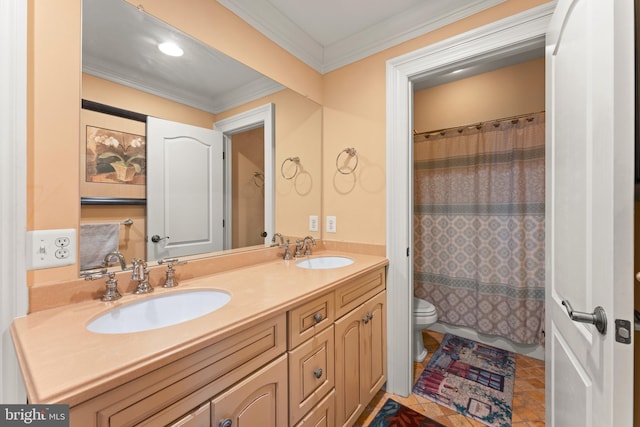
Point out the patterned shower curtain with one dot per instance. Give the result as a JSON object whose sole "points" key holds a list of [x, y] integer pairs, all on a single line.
{"points": [[479, 226]]}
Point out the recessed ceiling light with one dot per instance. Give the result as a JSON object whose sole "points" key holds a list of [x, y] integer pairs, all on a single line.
{"points": [[170, 48]]}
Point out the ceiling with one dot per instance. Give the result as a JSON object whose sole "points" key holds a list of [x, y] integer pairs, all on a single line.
{"points": [[329, 34], [119, 44]]}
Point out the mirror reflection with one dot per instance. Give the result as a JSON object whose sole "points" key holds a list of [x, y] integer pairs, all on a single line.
{"points": [[123, 68]]}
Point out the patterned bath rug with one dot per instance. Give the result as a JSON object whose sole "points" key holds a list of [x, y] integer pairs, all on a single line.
{"points": [[393, 414], [471, 378]]}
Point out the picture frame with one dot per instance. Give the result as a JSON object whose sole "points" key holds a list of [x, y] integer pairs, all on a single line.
{"points": [[112, 153]]}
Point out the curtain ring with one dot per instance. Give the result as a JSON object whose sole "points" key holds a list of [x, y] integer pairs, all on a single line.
{"points": [[352, 153], [295, 160]]}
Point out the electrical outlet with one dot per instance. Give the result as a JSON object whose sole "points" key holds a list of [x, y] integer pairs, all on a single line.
{"points": [[313, 222], [50, 248], [331, 224]]}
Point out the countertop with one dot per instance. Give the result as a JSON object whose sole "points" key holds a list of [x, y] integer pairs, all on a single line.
{"points": [[62, 362]]}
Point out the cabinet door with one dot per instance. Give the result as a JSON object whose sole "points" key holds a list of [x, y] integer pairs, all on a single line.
{"points": [[361, 358], [201, 417], [348, 335], [374, 347], [258, 400]]}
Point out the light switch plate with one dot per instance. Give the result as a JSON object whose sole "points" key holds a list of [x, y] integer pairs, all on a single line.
{"points": [[331, 224], [313, 222], [50, 248]]}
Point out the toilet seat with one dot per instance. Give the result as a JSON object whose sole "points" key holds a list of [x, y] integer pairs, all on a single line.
{"points": [[422, 307]]}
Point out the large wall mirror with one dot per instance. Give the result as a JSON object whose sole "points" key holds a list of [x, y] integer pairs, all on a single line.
{"points": [[270, 184]]}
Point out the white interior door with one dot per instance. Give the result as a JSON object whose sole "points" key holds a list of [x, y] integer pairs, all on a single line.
{"points": [[184, 189], [590, 152]]}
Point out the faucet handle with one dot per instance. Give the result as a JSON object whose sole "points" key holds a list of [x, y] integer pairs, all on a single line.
{"points": [[93, 275], [170, 262], [112, 292], [170, 280]]}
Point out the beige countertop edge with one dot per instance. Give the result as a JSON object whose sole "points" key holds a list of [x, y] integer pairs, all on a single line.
{"points": [[62, 362]]}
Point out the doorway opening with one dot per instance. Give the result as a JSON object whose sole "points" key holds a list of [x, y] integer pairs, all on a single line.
{"points": [[504, 39]]}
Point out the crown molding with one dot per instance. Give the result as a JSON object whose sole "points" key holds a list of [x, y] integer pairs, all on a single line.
{"points": [[397, 29], [264, 17], [256, 89]]}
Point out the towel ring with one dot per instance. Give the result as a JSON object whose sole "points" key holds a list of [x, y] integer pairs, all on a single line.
{"points": [[295, 160], [258, 179], [352, 153]]}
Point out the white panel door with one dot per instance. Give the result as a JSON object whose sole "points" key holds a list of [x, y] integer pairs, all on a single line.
{"points": [[184, 189], [590, 152]]}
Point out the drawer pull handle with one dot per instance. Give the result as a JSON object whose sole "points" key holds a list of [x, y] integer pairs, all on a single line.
{"points": [[318, 373], [318, 317], [227, 422]]}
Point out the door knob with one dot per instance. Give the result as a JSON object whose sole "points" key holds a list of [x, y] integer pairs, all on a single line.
{"points": [[597, 318], [155, 238]]}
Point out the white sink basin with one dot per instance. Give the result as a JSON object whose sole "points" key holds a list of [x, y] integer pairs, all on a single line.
{"points": [[324, 262], [158, 312]]}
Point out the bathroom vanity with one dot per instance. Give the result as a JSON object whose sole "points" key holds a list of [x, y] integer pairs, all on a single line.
{"points": [[292, 347]]}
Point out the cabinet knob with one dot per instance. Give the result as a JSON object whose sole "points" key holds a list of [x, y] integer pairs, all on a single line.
{"points": [[227, 422], [318, 373], [367, 317], [318, 317]]}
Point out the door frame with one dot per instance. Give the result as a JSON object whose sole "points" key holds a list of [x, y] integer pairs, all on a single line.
{"points": [[14, 298], [248, 120], [508, 36]]}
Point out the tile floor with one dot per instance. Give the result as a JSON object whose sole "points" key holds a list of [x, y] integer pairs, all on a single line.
{"points": [[528, 395]]}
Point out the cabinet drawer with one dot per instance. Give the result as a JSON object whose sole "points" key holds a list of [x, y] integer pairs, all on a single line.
{"points": [[358, 290], [322, 415], [311, 373], [310, 318]]}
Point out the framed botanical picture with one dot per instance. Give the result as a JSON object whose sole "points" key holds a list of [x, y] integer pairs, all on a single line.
{"points": [[112, 156]]}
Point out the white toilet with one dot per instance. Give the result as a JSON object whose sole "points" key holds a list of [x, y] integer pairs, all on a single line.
{"points": [[424, 315]]}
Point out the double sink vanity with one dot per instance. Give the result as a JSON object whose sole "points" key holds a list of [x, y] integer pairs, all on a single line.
{"points": [[276, 343]]}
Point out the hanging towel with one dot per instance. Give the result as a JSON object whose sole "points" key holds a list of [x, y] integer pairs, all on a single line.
{"points": [[96, 241]]}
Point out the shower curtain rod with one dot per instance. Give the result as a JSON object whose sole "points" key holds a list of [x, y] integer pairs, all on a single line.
{"points": [[473, 125]]}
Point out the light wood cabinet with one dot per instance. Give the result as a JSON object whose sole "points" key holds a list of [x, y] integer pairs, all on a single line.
{"points": [[311, 374], [167, 393], [317, 365], [311, 359], [200, 417], [322, 415], [360, 341], [259, 400]]}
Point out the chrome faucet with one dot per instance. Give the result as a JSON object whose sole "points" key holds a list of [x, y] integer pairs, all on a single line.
{"points": [[109, 257], [283, 244], [279, 236], [306, 246], [140, 274]]}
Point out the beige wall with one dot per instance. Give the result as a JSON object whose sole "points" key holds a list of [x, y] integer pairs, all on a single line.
{"points": [[353, 114], [247, 156], [509, 91]]}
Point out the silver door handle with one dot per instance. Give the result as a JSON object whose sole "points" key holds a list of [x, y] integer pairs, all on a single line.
{"points": [[597, 318]]}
